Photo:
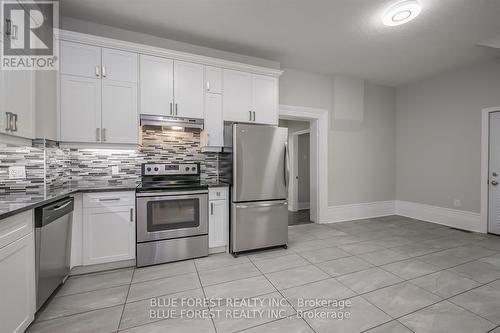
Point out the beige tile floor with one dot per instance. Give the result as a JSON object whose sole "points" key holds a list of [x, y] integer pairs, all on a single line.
{"points": [[396, 275]]}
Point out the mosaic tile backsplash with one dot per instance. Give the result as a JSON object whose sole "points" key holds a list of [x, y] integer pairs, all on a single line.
{"points": [[49, 166]]}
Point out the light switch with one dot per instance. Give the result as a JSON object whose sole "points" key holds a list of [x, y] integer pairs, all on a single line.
{"points": [[17, 172]]}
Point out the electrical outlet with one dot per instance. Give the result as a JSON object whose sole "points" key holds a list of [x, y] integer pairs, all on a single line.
{"points": [[115, 170], [457, 203], [17, 172]]}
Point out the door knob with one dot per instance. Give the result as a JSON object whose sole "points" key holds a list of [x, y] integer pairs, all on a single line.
{"points": [[494, 183]]}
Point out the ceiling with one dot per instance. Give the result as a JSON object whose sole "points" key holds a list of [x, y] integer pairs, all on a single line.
{"points": [[323, 36]]}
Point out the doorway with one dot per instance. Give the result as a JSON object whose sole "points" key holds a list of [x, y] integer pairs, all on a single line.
{"points": [[494, 174], [299, 189]]}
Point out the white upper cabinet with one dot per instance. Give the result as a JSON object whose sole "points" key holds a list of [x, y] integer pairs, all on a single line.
{"points": [[188, 89], [80, 59], [98, 100], [119, 112], [213, 80], [157, 85], [213, 123], [80, 116], [265, 99], [119, 66], [17, 103], [250, 98], [171, 88], [237, 99]]}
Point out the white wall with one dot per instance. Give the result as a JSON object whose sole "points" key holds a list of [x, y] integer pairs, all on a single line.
{"points": [[361, 159], [439, 136]]}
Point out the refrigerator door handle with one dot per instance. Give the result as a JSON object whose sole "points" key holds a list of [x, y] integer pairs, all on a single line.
{"points": [[267, 204], [286, 173]]}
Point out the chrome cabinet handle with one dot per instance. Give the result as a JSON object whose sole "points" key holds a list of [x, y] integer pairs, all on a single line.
{"points": [[104, 74], [108, 199], [208, 85], [13, 125], [211, 208], [103, 134], [8, 123], [131, 215], [281, 203], [176, 109], [250, 112], [494, 183], [97, 72], [253, 115], [98, 134], [171, 108], [8, 27]]}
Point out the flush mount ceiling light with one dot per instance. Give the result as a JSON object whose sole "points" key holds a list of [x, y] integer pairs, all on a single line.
{"points": [[401, 12]]}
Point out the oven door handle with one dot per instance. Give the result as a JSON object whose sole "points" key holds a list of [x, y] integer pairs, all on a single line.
{"points": [[168, 194]]}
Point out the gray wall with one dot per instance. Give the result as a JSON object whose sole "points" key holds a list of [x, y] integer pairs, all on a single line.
{"points": [[439, 136], [361, 159], [69, 23], [303, 165]]}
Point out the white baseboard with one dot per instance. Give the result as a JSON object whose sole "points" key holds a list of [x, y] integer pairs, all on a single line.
{"points": [[359, 211], [450, 217]]}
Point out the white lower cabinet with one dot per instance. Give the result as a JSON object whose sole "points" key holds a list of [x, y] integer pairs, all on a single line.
{"points": [[218, 218], [17, 273], [108, 227]]}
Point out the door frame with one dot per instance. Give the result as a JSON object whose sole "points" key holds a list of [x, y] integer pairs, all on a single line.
{"points": [[293, 194], [318, 125], [485, 151]]}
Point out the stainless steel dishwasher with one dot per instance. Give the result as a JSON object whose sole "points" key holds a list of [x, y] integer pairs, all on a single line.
{"points": [[52, 247]]}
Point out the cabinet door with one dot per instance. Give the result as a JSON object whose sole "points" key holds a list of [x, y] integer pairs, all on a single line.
{"points": [[213, 79], [264, 99], [188, 89], [17, 272], [119, 65], [213, 124], [17, 97], [119, 112], [80, 118], [156, 85], [237, 101], [218, 223], [80, 59], [108, 234]]}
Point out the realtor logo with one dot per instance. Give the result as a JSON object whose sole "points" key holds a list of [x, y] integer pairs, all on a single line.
{"points": [[28, 35]]}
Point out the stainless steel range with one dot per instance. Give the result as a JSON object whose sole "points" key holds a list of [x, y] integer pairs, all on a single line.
{"points": [[172, 214]]}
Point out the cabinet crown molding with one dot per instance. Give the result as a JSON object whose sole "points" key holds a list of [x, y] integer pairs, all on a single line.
{"points": [[78, 37]]}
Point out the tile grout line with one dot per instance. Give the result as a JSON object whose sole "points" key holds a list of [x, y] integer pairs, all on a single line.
{"points": [[204, 294], [126, 298], [284, 297]]}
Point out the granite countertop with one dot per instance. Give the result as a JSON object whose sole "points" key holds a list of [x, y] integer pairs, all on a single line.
{"points": [[15, 203]]}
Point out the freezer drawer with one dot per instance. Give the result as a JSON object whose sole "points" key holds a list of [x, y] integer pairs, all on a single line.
{"points": [[256, 225]]}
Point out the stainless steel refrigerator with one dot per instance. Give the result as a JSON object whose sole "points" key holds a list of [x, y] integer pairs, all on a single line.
{"points": [[259, 207]]}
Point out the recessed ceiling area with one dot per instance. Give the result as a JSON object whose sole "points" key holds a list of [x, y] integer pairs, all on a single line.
{"points": [[322, 36]]}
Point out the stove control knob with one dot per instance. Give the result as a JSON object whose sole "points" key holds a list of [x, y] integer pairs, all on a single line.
{"points": [[156, 168], [148, 169], [193, 168], [187, 168]]}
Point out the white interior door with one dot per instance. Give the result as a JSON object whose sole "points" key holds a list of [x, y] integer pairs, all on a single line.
{"points": [[494, 175]]}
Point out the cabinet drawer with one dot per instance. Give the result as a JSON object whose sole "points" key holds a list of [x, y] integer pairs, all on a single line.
{"points": [[107, 199], [217, 193], [15, 227]]}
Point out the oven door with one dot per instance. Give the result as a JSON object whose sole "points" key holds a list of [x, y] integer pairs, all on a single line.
{"points": [[171, 216]]}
